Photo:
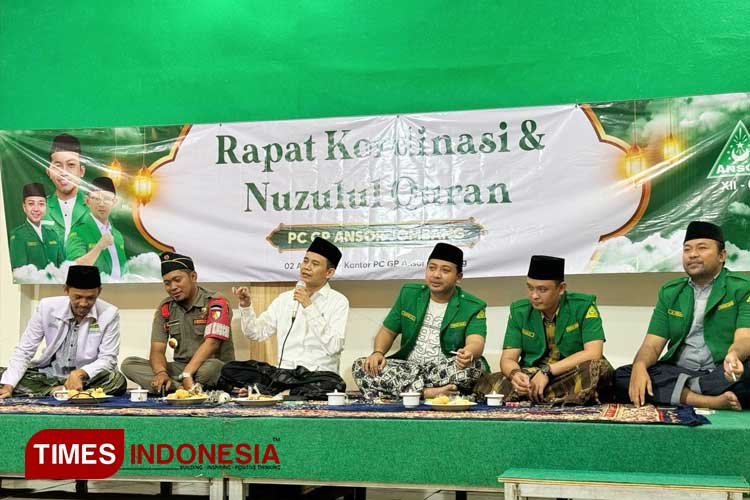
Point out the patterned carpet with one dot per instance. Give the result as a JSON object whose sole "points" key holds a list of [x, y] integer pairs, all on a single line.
{"points": [[608, 413]]}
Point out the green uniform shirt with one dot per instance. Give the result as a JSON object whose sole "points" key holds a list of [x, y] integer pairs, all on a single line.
{"points": [[53, 217], [727, 309], [84, 236], [465, 315], [578, 322], [27, 248], [188, 327]]}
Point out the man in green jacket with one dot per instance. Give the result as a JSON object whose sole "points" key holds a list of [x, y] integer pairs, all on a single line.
{"points": [[442, 332], [704, 321], [94, 240], [31, 242], [552, 352], [66, 205]]}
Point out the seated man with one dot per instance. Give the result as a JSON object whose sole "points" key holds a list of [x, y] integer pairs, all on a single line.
{"points": [[193, 321], [93, 240], [32, 242], [309, 323], [82, 337], [557, 336], [442, 332], [704, 320]]}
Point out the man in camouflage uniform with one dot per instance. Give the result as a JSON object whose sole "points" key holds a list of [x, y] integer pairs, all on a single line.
{"points": [[193, 321]]}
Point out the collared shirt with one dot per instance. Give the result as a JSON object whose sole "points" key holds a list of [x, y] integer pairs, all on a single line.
{"points": [[187, 326], [427, 347], [64, 360], [97, 342], [66, 207], [37, 229], [107, 229], [694, 353], [315, 339]]}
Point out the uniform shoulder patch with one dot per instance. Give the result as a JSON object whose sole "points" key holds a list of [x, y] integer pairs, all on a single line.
{"points": [[482, 314], [218, 324], [592, 312], [216, 298]]}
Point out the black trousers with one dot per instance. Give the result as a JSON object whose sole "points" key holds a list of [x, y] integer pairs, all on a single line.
{"points": [[668, 380], [271, 380]]}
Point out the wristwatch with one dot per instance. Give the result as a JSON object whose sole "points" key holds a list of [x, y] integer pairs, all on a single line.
{"points": [[545, 369], [185, 375]]}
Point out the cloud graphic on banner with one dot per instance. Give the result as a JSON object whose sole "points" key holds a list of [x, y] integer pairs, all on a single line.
{"points": [[49, 275], [655, 254], [701, 114], [142, 268], [739, 208], [244, 199]]}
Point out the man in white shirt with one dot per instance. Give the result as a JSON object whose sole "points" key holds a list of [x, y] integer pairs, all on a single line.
{"points": [[310, 324], [82, 337], [66, 205], [94, 240]]}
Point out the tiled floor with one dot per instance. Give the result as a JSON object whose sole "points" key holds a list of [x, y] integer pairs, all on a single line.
{"points": [[125, 490]]}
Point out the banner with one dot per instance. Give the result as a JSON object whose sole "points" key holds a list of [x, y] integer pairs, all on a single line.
{"points": [[610, 187]]}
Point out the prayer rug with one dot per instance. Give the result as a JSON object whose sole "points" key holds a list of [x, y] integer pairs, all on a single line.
{"points": [[607, 413]]}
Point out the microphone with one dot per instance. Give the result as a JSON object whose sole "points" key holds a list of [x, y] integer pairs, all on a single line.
{"points": [[300, 284]]}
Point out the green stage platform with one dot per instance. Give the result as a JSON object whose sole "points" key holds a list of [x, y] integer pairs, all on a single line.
{"points": [[457, 454]]}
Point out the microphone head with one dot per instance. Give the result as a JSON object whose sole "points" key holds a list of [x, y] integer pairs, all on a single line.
{"points": [[300, 284]]}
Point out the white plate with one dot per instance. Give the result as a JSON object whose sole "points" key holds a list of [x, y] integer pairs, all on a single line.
{"points": [[449, 407], [87, 401], [185, 402], [257, 402]]}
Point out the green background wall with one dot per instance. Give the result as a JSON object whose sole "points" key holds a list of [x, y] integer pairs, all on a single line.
{"points": [[103, 63]]}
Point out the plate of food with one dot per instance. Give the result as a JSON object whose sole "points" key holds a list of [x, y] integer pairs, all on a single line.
{"points": [[444, 403], [181, 397], [87, 397], [258, 400]]}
